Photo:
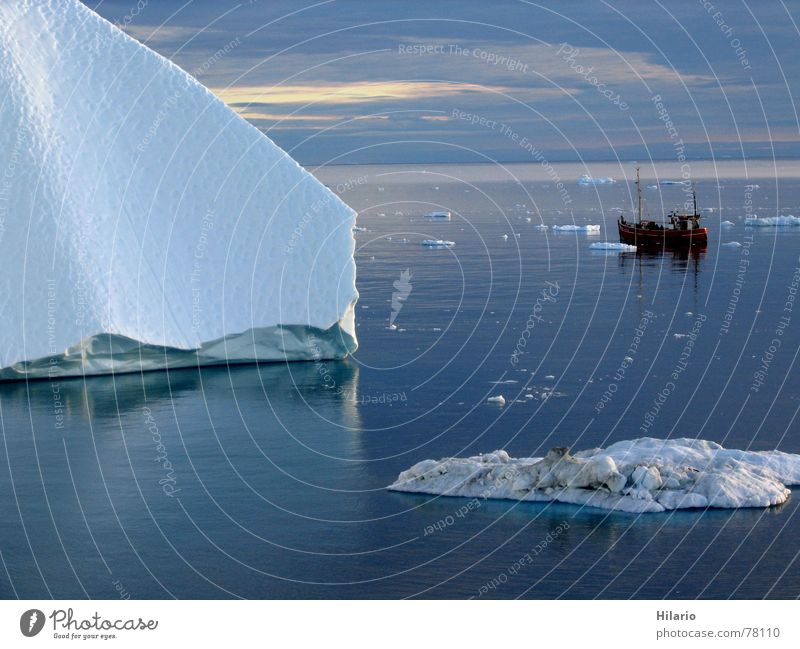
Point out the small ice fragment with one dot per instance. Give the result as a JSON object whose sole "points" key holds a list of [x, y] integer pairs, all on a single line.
{"points": [[499, 400], [612, 245], [577, 228]]}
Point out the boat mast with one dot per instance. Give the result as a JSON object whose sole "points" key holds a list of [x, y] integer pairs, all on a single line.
{"points": [[694, 198], [639, 194]]}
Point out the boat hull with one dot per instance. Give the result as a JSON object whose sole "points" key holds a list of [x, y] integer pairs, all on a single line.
{"points": [[636, 236]]}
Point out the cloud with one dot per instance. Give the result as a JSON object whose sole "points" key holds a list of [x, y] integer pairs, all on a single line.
{"points": [[358, 92]]}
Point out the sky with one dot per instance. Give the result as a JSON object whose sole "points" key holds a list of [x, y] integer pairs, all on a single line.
{"points": [[354, 81]]}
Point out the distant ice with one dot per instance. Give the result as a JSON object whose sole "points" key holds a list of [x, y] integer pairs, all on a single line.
{"points": [[577, 228], [586, 179], [540, 226], [732, 244], [727, 224], [641, 475], [445, 216], [499, 399], [612, 245], [767, 221], [438, 243]]}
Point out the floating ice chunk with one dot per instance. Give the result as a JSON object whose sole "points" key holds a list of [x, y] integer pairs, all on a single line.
{"points": [[504, 237], [165, 230], [357, 228], [499, 400], [641, 475], [767, 221], [674, 182], [612, 245], [727, 224], [540, 226], [438, 243], [444, 216], [732, 244], [586, 179], [577, 228], [550, 377]]}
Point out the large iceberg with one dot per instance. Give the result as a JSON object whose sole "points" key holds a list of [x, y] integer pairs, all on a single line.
{"points": [[143, 224], [642, 475]]}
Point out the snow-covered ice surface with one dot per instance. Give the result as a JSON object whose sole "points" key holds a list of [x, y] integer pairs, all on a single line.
{"points": [[152, 226], [768, 221], [641, 475], [586, 179], [612, 245], [577, 228]]}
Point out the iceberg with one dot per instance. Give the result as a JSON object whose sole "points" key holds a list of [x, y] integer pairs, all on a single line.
{"points": [[769, 221], [641, 475], [612, 245], [576, 228], [145, 225], [586, 179]]}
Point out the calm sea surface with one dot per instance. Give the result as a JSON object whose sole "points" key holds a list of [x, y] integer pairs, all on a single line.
{"points": [[269, 481]]}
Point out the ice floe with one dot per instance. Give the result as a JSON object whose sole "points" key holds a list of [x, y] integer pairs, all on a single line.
{"points": [[641, 475], [438, 243], [577, 228], [732, 244], [586, 179], [612, 245], [767, 221]]}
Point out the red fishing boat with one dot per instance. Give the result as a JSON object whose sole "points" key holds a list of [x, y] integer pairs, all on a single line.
{"points": [[681, 229]]}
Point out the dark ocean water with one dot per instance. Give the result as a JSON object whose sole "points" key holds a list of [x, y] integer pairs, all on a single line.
{"points": [[276, 474]]}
